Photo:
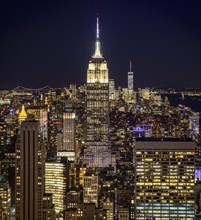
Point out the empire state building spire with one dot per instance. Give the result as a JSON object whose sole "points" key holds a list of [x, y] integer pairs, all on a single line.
{"points": [[97, 53], [97, 27]]}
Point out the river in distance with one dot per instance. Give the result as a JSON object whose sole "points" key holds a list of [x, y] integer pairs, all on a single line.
{"points": [[193, 102]]}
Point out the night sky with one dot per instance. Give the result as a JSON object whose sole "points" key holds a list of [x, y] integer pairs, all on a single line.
{"points": [[50, 42]]}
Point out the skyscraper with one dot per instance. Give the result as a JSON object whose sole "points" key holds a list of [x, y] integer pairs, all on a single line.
{"points": [[111, 89], [97, 152], [164, 180], [194, 124], [44, 123], [68, 148], [56, 183], [41, 115], [130, 78], [29, 172]]}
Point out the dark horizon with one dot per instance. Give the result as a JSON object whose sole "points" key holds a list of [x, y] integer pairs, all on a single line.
{"points": [[51, 43]]}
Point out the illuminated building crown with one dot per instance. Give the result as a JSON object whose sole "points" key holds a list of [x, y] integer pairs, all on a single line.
{"points": [[97, 69], [23, 113]]}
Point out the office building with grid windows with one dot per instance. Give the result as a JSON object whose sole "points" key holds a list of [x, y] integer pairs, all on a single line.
{"points": [[164, 179]]}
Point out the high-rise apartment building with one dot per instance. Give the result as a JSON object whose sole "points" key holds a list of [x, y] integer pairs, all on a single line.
{"points": [[164, 171], [97, 152], [29, 171]]}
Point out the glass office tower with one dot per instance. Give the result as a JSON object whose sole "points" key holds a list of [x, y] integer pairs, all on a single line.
{"points": [[164, 171]]}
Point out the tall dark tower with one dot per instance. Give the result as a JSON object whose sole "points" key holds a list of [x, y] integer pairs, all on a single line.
{"points": [[97, 152], [30, 164]]}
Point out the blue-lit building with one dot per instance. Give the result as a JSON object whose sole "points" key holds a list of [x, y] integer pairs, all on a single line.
{"points": [[143, 131]]}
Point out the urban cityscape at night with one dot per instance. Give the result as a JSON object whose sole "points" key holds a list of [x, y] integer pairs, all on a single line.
{"points": [[116, 136]]}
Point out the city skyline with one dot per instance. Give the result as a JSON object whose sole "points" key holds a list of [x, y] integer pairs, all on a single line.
{"points": [[119, 147], [50, 43]]}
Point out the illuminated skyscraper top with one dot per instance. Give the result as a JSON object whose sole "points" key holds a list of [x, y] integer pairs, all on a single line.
{"points": [[97, 53], [22, 115], [97, 69], [23, 112]]}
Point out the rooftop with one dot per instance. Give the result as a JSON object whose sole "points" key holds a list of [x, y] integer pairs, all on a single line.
{"points": [[164, 139]]}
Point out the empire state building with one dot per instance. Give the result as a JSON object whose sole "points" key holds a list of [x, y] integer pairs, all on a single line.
{"points": [[97, 150]]}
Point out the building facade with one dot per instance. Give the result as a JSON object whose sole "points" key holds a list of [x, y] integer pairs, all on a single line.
{"points": [[56, 184], [97, 152], [29, 171], [164, 171], [5, 196], [130, 78], [69, 133], [90, 189], [48, 207], [111, 89]]}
